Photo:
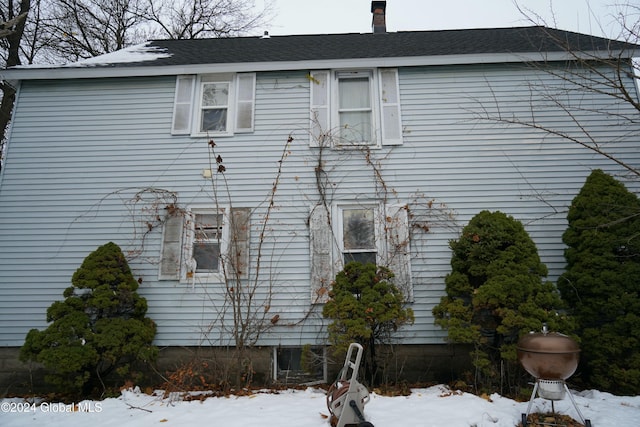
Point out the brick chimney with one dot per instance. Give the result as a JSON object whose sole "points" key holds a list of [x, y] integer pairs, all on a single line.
{"points": [[379, 24]]}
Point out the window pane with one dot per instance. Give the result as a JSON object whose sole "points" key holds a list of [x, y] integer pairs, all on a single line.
{"points": [[215, 94], [208, 226], [358, 229], [289, 359], [355, 126], [354, 109], [300, 365], [354, 93], [207, 256], [214, 120], [206, 247], [362, 257]]}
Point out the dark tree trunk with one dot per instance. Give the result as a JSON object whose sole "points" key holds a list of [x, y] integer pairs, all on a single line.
{"points": [[13, 59]]}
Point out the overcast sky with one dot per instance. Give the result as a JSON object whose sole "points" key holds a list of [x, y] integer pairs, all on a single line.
{"points": [[354, 16]]}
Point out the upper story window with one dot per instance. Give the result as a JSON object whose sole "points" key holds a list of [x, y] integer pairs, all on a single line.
{"points": [[355, 108], [214, 107], [214, 104]]}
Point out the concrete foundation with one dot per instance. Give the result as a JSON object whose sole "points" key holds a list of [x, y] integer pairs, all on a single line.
{"points": [[190, 366]]}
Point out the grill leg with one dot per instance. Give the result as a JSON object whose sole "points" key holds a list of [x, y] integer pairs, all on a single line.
{"points": [[533, 396], [587, 422]]}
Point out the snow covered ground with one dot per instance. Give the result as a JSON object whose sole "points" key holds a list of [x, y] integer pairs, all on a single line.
{"points": [[435, 406]]}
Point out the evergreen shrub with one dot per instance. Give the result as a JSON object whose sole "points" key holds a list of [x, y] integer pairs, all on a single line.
{"points": [[366, 308], [602, 282], [495, 293], [99, 328]]}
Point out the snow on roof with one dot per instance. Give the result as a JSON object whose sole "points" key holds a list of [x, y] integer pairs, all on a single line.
{"points": [[137, 53], [133, 54]]}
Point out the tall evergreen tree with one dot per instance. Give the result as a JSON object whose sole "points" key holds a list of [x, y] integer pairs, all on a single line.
{"points": [[601, 282], [495, 293]]}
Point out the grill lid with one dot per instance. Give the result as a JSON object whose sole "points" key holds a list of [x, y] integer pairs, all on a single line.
{"points": [[548, 355]]}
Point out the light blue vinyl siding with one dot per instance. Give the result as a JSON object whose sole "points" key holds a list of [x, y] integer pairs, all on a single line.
{"points": [[81, 150]]}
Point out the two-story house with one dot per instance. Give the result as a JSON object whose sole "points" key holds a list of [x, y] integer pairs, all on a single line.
{"points": [[240, 174]]}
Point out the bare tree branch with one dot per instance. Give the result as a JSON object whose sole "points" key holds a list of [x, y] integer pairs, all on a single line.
{"points": [[205, 18], [574, 86], [14, 18]]}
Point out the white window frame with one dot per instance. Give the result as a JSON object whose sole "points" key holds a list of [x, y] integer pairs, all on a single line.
{"points": [[339, 209], [187, 114], [201, 108], [336, 110], [392, 238], [188, 272], [386, 120]]}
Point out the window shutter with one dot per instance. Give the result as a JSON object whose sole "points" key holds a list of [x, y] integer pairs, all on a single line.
{"points": [[320, 242], [398, 253], [182, 106], [239, 241], [390, 107], [245, 102], [319, 108], [170, 253]]}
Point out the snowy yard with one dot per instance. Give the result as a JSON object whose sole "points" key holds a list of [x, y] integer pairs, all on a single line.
{"points": [[435, 406]]}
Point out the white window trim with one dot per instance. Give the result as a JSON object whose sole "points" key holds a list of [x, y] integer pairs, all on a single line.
{"points": [[392, 238], [378, 221], [335, 108], [201, 81], [386, 106], [195, 83], [201, 108], [187, 272]]}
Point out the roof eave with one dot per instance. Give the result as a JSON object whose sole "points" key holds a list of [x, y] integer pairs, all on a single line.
{"points": [[63, 72]]}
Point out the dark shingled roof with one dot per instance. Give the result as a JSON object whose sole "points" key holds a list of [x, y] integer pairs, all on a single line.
{"points": [[386, 45]]}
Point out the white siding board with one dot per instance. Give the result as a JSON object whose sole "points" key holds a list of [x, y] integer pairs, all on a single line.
{"points": [[454, 179], [79, 150]]}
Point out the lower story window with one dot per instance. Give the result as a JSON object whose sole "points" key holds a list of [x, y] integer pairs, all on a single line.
{"points": [[207, 241], [358, 234], [300, 365], [206, 244], [365, 232]]}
